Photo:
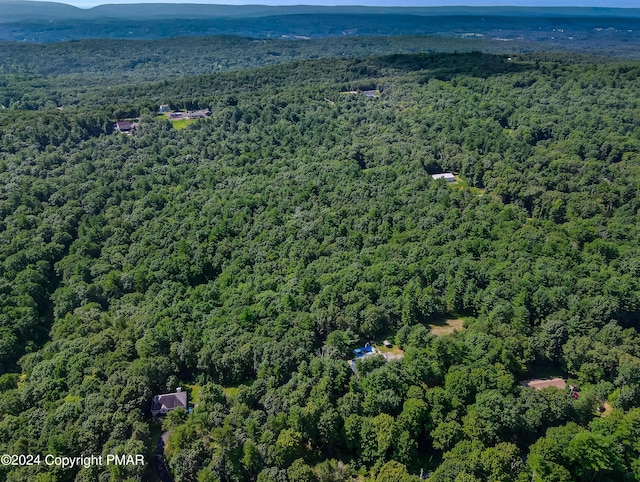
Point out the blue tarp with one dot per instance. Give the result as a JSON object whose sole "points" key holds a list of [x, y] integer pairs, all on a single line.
{"points": [[359, 352]]}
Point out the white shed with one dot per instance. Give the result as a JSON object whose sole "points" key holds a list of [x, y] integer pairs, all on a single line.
{"points": [[447, 176]]}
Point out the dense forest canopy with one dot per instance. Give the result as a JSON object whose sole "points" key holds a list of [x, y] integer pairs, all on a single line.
{"points": [[86, 63], [245, 256]]}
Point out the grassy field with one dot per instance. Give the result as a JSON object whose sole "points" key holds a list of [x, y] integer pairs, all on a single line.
{"points": [[394, 349], [446, 327], [182, 123]]}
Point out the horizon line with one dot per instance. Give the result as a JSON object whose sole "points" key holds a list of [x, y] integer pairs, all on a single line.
{"points": [[544, 4]]}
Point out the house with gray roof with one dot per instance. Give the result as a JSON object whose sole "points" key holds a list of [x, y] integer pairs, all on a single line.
{"points": [[166, 402]]}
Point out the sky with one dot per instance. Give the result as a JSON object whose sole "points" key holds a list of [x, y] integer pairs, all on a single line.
{"points": [[389, 3]]}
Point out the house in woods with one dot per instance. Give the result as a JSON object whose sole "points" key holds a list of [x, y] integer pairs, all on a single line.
{"points": [[447, 176], [540, 384], [192, 114], [362, 352], [125, 126], [199, 114], [163, 108], [166, 402], [372, 94], [368, 350]]}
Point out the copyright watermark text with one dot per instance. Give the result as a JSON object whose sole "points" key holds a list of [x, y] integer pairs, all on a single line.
{"points": [[23, 460]]}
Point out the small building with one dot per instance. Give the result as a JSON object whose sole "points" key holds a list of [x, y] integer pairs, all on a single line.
{"points": [[199, 114], [162, 404], [447, 176], [163, 108], [192, 114], [124, 126], [372, 94]]}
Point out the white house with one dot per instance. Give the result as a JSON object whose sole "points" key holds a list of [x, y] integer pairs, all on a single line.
{"points": [[447, 176]]}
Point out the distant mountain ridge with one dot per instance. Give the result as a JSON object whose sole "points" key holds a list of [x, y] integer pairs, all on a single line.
{"points": [[614, 30], [12, 10], [21, 10], [203, 10]]}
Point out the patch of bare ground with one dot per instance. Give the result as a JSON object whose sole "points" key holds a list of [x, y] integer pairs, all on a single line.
{"points": [[446, 327], [542, 383], [391, 353], [607, 409]]}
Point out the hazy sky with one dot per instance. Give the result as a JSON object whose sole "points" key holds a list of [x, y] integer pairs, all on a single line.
{"points": [[398, 3]]}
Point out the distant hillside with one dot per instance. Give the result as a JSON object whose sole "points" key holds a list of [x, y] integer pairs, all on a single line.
{"points": [[12, 10], [583, 29], [28, 10], [200, 11]]}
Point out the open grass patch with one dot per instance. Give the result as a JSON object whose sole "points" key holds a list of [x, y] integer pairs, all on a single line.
{"points": [[182, 123], [462, 184], [391, 353], [446, 326], [608, 409], [194, 391], [231, 392], [392, 350]]}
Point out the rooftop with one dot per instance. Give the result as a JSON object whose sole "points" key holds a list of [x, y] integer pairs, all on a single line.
{"points": [[447, 176], [169, 401]]}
